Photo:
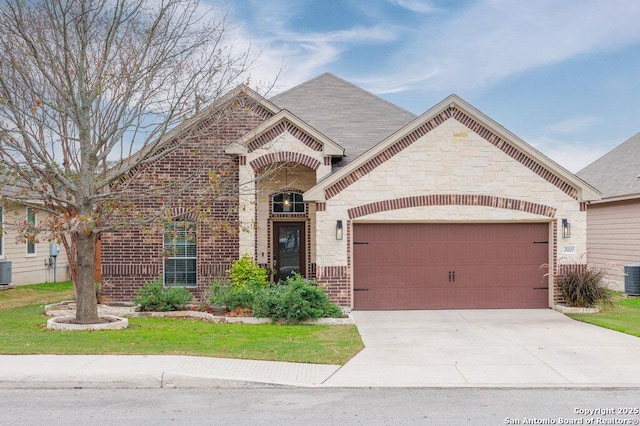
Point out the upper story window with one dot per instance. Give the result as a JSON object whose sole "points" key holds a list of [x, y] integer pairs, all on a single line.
{"points": [[288, 202], [32, 221]]}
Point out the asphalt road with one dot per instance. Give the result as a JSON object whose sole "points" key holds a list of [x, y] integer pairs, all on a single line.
{"points": [[289, 406]]}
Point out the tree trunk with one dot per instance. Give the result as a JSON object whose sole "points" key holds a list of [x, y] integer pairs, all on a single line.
{"points": [[87, 305]]}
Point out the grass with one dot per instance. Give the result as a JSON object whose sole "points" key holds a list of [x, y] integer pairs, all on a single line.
{"points": [[623, 315], [25, 295], [23, 331]]}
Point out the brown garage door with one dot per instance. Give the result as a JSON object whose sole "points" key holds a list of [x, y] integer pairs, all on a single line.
{"points": [[450, 266]]}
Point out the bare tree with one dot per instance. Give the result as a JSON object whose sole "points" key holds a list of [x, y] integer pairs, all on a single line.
{"points": [[89, 83]]}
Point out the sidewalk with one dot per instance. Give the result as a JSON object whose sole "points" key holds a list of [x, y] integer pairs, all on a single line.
{"points": [[155, 371]]}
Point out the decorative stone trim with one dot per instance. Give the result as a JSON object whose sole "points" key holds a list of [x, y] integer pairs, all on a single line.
{"points": [[284, 157], [449, 200], [583, 207], [321, 207], [327, 161], [110, 322], [242, 160], [473, 125], [278, 129], [571, 310]]}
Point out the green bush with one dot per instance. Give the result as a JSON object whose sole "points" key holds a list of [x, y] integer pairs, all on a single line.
{"points": [[235, 297], [154, 297], [295, 299], [217, 292], [583, 287], [246, 272]]}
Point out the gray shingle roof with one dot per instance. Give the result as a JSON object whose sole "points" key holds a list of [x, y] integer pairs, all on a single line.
{"points": [[350, 116], [617, 172]]}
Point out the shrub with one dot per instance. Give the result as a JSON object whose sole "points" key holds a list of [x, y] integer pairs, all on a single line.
{"points": [[238, 296], [217, 293], [583, 287], [295, 299], [246, 272], [154, 297]]}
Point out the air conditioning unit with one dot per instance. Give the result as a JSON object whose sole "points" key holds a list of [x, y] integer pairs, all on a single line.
{"points": [[5, 272], [632, 279]]}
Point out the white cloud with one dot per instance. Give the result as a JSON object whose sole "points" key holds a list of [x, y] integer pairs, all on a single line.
{"points": [[571, 125], [419, 6], [573, 156], [492, 40], [301, 56]]}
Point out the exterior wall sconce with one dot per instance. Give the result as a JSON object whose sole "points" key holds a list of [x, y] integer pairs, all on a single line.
{"points": [[566, 228], [339, 230]]}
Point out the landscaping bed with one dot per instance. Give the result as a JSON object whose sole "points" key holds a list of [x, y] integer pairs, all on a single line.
{"points": [[23, 331]]}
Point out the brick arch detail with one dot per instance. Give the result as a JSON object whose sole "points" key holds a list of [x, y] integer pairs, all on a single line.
{"points": [[183, 213], [278, 129], [284, 157], [452, 200], [470, 123]]}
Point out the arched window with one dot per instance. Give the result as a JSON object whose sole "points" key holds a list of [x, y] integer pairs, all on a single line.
{"points": [[288, 202]]}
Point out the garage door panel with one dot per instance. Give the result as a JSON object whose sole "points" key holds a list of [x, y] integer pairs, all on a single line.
{"points": [[450, 266]]}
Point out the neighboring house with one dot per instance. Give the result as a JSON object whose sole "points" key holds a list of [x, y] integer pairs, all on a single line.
{"points": [[385, 209], [30, 260], [613, 231]]}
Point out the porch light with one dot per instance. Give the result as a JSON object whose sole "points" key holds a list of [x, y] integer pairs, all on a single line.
{"points": [[286, 202], [566, 228], [339, 232]]}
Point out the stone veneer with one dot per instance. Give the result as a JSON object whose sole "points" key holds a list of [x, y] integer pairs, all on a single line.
{"points": [[446, 172]]}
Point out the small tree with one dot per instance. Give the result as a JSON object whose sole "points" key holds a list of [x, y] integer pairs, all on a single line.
{"points": [[85, 85]]}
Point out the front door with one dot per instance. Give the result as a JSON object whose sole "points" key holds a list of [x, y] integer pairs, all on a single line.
{"points": [[288, 249]]}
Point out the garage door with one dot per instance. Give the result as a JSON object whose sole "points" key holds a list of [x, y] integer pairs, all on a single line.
{"points": [[450, 266]]}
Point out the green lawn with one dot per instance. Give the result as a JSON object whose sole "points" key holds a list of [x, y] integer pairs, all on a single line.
{"points": [[623, 316], [25, 295], [23, 331]]}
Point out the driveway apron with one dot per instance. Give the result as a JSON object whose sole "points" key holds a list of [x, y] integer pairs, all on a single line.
{"points": [[495, 348]]}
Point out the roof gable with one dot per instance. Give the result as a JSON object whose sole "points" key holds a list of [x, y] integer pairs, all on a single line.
{"points": [[617, 173], [282, 122], [347, 114], [172, 138], [456, 108]]}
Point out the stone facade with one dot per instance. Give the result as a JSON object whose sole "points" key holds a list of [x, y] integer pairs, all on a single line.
{"points": [[449, 174]]}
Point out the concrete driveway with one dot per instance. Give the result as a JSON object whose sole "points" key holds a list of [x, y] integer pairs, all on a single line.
{"points": [[498, 348]]}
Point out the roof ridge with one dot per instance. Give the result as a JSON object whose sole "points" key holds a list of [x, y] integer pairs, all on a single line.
{"points": [[352, 85]]}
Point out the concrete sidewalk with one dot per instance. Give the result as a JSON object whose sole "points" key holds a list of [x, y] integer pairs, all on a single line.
{"points": [[154, 371]]}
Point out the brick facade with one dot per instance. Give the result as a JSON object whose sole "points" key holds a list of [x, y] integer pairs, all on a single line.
{"points": [[132, 256]]}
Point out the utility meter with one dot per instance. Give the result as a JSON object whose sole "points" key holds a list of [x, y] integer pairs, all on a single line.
{"points": [[54, 249]]}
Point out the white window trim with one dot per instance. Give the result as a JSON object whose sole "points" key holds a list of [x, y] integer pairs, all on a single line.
{"points": [[164, 260]]}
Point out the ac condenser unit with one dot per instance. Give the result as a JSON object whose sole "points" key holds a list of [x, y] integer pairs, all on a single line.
{"points": [[632, 279], [5, 272]]}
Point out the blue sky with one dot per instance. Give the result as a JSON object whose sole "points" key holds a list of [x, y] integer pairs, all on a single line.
{"points": [[564, 75]]}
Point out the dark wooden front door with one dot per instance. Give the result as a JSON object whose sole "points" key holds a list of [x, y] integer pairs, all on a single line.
{"points": [[289, 249], [450, 266]]}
